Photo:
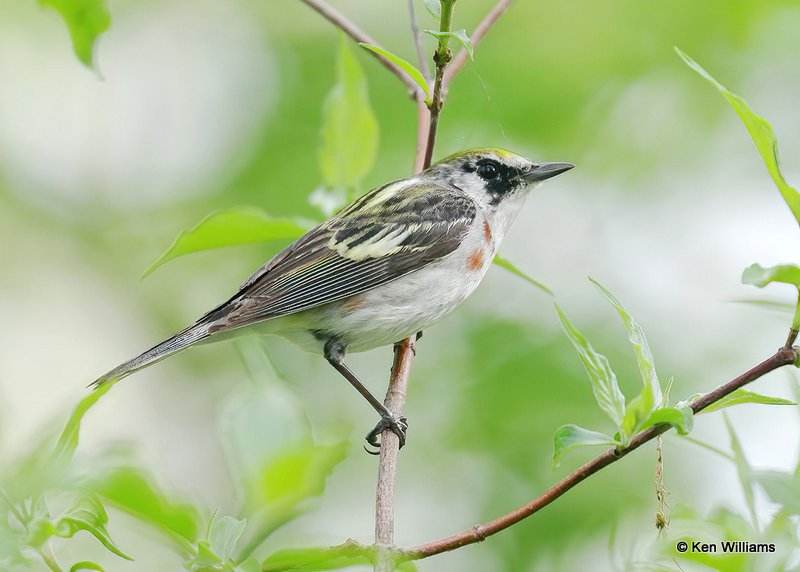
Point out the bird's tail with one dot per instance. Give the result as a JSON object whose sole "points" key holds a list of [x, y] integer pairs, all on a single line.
{"points": [[176, 343]]}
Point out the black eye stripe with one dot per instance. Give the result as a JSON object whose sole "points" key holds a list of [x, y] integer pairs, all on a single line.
{"points": [[488, 170], [499, 178]]}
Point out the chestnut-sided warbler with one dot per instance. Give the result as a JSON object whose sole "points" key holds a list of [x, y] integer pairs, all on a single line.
{"points": [[386, 266]]}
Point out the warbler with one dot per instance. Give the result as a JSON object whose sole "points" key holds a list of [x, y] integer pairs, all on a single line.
{"points": [[386, 266]]}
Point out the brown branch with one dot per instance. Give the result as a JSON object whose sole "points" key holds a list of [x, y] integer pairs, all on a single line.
{"points": [[441, 57], [390, 447], [784, 356], [423, 126], [415, 34], [478, 533], [477, 36], [351, 29], [427, 124], [386, 555]]}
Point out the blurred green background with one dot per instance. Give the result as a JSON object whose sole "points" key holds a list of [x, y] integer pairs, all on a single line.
{"points": [[197, 106]]}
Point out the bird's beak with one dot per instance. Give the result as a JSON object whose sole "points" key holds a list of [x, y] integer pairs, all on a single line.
{"points": [[544, 171]]}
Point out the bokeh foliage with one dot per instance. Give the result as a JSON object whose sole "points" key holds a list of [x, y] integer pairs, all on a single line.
{"points": [[522, 87]]}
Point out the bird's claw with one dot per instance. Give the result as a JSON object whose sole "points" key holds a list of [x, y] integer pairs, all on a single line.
{"points": [[397, 425]]}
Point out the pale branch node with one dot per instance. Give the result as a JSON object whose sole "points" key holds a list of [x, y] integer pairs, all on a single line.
{"points": [[360, 36], [792, 337]]}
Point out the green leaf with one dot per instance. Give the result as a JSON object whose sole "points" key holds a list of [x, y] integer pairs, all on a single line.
{"points": [[757, 275], [741, 396], [782, 488], [281, 470], [651, 394], [86, 565], [137, 493], [784, 273], [39, 527], [603, 379], [760, 132], [68, 440], [682, 419], [87, 514], [223, 534], [230, 227], [300, 473], [86, 20], [709, 447], [743, 470], [636, 413], [314, 559], [666, 393], [458, 35], [272, 451], [215, 551], [511, 267], [249, 565], [349, 127], [406, 66], [434, 8], [569, 437]]}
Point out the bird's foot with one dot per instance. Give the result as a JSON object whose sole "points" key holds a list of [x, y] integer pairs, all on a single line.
{"points": [[397, 425]]}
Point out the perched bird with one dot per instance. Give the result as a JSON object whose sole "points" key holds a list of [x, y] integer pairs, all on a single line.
{"points": [[386, 266]]}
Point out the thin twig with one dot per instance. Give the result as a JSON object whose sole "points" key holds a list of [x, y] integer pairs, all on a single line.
{"points": [[351, 29], [477, 36], [13, 508], [415, 34], [783, 357], [791, 339], [662, 520], [441, 57], [405, 350], [390, 447], [423, 125], [46, 553]]}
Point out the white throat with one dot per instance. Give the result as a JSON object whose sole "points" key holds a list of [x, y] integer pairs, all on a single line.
{"points": [[503, 215]]}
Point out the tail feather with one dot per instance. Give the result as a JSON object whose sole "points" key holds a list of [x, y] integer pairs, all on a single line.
{"points": [[176, 343]]}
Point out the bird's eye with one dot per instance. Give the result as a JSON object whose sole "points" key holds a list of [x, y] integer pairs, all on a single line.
{"points": [[488, 171]]}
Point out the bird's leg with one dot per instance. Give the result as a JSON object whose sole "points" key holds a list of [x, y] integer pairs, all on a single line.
{"points": [[334, 353]]}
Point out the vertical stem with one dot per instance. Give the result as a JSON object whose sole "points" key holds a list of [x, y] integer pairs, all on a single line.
{"points": [[441, 58], [404, 351], [795, 323], [476, 36], [417, 37], [661, 491], [390, 446], [423, 126], [46, 552], [13, 508]]}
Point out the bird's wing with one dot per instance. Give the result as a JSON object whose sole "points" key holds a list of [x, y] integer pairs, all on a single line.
{"points": [[360, 248]]}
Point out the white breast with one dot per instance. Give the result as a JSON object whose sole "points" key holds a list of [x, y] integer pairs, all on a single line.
{"points": [[394, 311]]}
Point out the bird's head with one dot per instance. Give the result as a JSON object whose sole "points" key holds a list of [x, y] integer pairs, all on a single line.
{"points": [[492, 177]]}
